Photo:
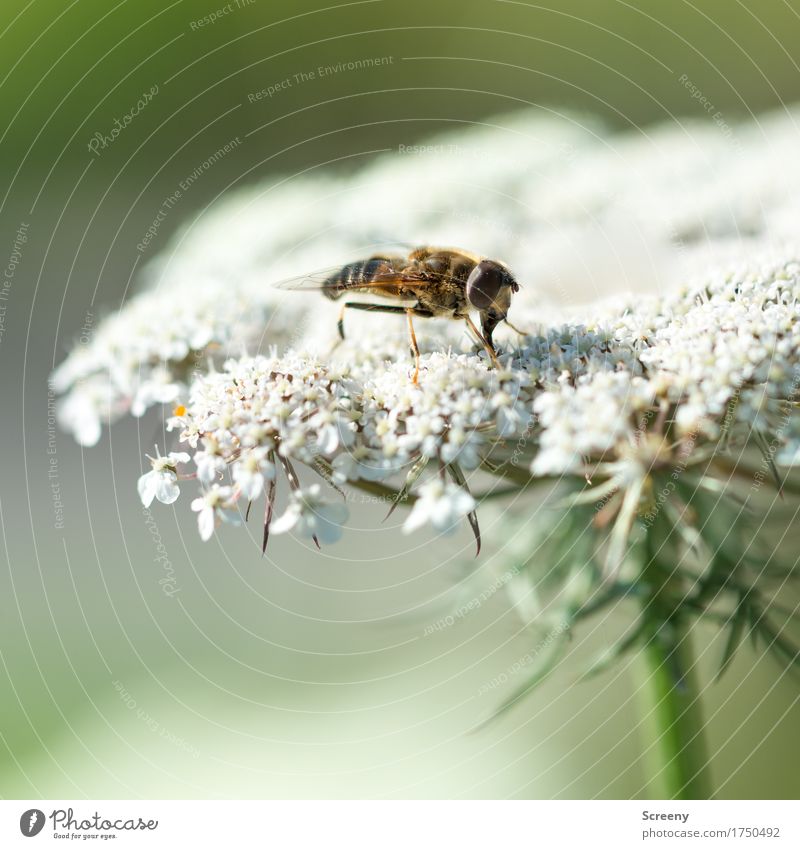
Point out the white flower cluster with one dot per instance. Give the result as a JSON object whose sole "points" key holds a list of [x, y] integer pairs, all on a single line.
{"points": [[579, 394], [459, 406], [257, 413], [735, 336], [738, 333], [587, 420], [571, 392], [262, 412], [146, 353]]}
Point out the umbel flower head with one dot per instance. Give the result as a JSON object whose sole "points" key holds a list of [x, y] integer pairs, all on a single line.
{"points": [[663, 420]]}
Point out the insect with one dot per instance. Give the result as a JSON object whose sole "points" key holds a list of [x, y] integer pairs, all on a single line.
{"points": [[432, 283]]}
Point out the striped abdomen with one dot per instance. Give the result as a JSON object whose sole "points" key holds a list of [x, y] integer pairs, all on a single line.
{"points": [[356, 275]]}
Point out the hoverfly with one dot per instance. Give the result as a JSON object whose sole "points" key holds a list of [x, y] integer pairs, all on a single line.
{"points": [[433, 283]]}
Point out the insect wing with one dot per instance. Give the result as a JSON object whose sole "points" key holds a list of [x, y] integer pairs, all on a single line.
{"points": [[313, 280], [319, 280]]}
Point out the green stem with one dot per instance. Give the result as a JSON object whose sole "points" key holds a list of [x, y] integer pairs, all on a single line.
{"points": [[381, 491], [679, 761], [387, 493]]}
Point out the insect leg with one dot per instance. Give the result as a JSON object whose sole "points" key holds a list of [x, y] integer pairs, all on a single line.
{"points": [[414, 346], [486, 344], [392, 308], [357, 305]]}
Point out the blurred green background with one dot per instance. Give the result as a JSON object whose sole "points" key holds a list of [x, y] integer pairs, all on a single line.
{"points": [[301, 674]]}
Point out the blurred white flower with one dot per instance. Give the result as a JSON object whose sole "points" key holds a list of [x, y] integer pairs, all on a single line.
{"points": [[162, 481], [212, 505], [160, 388], [85, 409], [362, 463], [310, 515], [442, 504], [588, 419], [790, 454], [210, 461], [333, 430], [147, 353], [250, 472]]}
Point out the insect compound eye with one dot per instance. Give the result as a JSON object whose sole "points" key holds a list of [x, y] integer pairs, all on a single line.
{"points": [[485, 283]]}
